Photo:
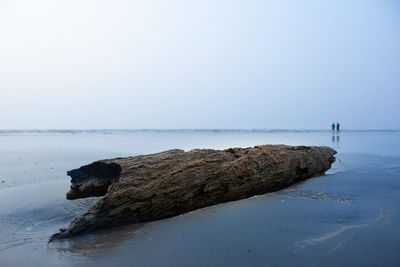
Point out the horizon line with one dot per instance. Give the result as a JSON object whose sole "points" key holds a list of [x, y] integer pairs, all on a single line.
{"points": [[192, 129]]}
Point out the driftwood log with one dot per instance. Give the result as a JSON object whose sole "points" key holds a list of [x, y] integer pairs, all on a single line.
{"points": [[151, 187]]}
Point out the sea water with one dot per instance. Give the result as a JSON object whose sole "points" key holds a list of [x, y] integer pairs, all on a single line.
{"points": [[349, 216]]}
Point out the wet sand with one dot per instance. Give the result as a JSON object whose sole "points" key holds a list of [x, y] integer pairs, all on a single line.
{"points": [[348, 217]]}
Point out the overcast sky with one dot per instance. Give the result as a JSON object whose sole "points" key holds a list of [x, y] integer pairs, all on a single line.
{"points": [[199, 64]]}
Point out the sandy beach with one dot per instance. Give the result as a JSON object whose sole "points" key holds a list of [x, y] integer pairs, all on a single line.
{"points": [[350, 216]]}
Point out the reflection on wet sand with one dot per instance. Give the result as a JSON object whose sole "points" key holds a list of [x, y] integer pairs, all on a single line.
{"points": [[335, 140], [89, 244]]}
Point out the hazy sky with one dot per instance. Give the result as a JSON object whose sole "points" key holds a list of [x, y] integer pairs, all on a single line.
{"points": [[199, 64]]}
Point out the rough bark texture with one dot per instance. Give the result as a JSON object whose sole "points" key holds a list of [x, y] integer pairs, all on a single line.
{"points": [[151, 187]]}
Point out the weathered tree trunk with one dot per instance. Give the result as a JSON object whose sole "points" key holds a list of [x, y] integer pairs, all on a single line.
{"points": [[151, 187]]}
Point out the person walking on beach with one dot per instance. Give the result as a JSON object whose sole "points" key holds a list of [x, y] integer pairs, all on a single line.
{"points": [[333, 126], [337, 127]]}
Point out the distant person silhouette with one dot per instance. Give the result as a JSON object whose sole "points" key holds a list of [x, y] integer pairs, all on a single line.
{"points": [[333, 126], [337, 127]]}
